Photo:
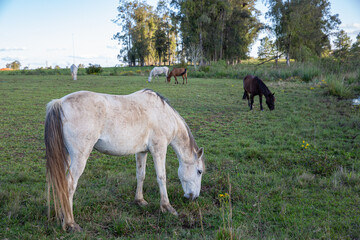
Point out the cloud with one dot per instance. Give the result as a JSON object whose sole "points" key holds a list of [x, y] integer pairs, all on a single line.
{"points": [[352, 28], [11, 49], [9, 58], [113, 47], [90, 57], [55, 49]]}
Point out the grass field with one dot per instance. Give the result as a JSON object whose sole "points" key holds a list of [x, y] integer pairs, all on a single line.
{"points": [[291, 173]]}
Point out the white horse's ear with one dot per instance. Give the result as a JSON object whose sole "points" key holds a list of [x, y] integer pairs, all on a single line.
{"points": [[200, 152]]}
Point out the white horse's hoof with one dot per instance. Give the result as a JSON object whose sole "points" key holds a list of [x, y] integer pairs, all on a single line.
{"points": [[74, 227], [168, 208], [141, 202]]}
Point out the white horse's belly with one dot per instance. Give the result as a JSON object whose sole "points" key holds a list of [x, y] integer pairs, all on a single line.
{"points": [[120, 143], [120, 149]]}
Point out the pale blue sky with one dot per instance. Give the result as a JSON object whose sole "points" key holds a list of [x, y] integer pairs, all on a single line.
{"points": [[43, 32]]}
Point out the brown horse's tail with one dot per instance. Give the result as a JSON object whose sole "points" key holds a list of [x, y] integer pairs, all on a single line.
{"points": [[183, 72], [56, 161]]}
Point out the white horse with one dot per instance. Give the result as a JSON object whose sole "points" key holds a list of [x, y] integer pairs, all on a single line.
{"points": [[74, 70], [138, 123], [156, 71]]}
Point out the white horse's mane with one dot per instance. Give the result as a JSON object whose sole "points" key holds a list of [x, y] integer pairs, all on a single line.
{"points": [[193, 144]]}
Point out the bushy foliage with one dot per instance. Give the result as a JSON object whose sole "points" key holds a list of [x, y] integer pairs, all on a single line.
{"points": [[94, 69]]}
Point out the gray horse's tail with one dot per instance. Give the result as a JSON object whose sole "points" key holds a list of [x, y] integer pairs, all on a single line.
{"points": [[56, 162]]}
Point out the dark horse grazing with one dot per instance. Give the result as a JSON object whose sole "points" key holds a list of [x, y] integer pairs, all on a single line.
{"points": [[177, 72], [255, 86]]}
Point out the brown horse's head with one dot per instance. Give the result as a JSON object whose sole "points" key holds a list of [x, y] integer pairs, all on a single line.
{"points": [[270, 101]]}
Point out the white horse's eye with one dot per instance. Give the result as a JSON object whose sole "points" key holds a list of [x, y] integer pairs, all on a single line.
{"points": [[199, 172]]}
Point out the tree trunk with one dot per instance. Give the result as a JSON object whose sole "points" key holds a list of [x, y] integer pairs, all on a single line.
{"points": [[288, 58], [222, 35], [200, 44]]}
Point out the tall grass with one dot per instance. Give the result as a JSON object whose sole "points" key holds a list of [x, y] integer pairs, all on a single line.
{"points": [[336, 86]]}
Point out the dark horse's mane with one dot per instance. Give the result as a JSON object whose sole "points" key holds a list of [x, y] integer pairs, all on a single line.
{"points": [[263, 88], [164, 100]]}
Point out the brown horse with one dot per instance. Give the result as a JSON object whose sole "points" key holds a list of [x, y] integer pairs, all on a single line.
{"points": [[255, 86], [177, 72]]}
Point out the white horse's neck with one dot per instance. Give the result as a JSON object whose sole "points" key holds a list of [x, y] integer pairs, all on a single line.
{"points": [[183, 144]]}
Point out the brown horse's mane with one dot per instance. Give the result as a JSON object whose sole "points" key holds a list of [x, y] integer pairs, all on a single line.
{"points": [[263, 88], [193, 144]]}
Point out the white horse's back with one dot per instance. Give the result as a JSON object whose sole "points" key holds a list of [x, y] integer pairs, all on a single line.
{"points": [[126, 122]]}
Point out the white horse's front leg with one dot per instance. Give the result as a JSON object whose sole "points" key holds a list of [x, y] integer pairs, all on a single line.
{"points": [[140, 176], [159, 161]]}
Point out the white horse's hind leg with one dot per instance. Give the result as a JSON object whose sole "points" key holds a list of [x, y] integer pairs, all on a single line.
{"points": [[159, 156], [78, 162], [140, 176]]}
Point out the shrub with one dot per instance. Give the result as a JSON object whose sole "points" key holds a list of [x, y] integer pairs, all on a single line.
{"points": [[94, 69], [309, 73], [337, 87], [198, 74], [127, 73], [204, 68]]}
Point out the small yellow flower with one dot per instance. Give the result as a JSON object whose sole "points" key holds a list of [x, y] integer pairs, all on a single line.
{"points": [[302, 145], [303, 141], [221, 195], [305, 147], [312, 88]]}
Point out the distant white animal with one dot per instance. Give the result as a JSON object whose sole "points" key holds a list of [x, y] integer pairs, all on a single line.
{"points": [[74, 70], [156, 71]]}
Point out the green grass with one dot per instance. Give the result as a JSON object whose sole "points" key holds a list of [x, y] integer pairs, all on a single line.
{"points": [[279, 189]]}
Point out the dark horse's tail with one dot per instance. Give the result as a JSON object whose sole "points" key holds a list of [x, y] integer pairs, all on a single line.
{"points": [[183, 72], [245, 95]]}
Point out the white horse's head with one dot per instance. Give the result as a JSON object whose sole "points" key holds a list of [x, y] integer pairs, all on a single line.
{"points": [[190, 175]]}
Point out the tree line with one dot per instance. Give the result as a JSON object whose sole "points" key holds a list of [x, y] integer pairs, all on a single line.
{"points": [[175, 29], [213, 30]]}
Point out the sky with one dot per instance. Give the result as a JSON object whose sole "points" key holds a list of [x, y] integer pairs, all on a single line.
{"points": [[43, 33]]}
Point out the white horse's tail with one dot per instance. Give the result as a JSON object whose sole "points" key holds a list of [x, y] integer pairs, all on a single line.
{"points": [[56, 161]]}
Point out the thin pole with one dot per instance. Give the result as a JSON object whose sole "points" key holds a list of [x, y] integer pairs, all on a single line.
{"points": [[73, 48]]}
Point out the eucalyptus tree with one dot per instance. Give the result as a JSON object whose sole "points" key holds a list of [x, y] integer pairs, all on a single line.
{"points": [[135, 18], [302, 27], [223, 29], [160, 40], [167, 26]]}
